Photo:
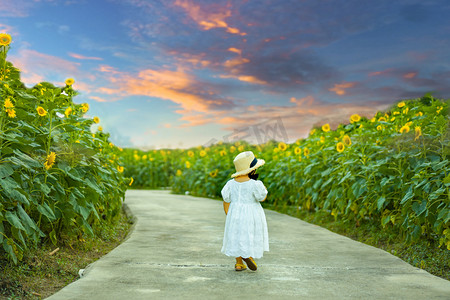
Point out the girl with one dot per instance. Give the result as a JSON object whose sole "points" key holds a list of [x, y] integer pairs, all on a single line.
{"points": [[246, 236]]}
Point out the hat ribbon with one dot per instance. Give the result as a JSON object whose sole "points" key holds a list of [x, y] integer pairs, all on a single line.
{"points": [[254, 161]]}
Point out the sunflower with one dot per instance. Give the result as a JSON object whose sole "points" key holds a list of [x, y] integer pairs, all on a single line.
{"points": [[379, 127], [232, 149], [69, 81], [282, 146], [405, 111], [419, 114], [306, 151], [382, 119], [392, 119], [401, 104], [11, 112], [241, 148], [8, 103], [355, 118], [396, 113], [84, 107], [41, 111], [326, 127], [50, 160], [223, 153], [120, 169], [100, 128], [131, 181], [188, 164], [347, 141], [96, 120], [190, 153], [202, 153], [322, 139], [340, 147], [213, 173], [418, 132], [298, 150], [5, 39], [312, 131], [404, 129], [68, 111]]}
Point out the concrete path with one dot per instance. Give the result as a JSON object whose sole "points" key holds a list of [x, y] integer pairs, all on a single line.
{"points": [[174, 253]]}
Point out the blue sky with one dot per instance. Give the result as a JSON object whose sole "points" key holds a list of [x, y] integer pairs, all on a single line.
{"points": [[180, 73]]}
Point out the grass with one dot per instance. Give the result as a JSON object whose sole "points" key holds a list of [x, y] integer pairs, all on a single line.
{"points": [[40, 274], [423, 254]]}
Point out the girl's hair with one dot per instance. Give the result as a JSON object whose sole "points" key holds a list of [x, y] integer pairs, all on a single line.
{"points": [[253, 175]]}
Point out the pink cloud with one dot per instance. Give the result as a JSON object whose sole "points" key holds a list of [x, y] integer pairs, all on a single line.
{"points": [[35, 65], [79, 56], [98, 99]]}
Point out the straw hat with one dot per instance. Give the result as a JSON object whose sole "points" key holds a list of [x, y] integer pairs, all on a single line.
{"points": [[245, 162]]}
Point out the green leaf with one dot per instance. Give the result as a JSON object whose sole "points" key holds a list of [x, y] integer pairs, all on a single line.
{"points": [[46, 211], [25, 158], [44, 188], [87, 228], [408, 195], [9, 186], [434, 195], [93, 186], [9, 249], [347, 175], [419, 208], [385, 220], [12, 219], [416, 232], [2, 231], [6, 170], [28, 223], [53, 238], [380, 202], [446, 180]]}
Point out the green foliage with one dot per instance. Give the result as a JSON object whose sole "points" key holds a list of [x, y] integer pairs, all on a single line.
{"points": [[393, 169], [56, 177]]}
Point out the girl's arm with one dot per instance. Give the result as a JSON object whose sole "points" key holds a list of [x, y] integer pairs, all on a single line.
{"points": [[226, 205]]}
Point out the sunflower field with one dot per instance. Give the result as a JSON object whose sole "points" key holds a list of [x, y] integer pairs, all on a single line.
{"points": [[57, 177], [393, 169]]}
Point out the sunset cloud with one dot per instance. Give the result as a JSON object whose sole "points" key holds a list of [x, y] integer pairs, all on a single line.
{"points": [[341, 88], [410, 75], [177, 86], [208, 17], [235, 50]]}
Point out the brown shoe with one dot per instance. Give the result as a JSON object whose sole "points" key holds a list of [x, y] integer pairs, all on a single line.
{"points": [[250, 263]]}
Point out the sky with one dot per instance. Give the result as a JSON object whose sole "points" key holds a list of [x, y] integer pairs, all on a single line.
{"points": [[184, 73]]}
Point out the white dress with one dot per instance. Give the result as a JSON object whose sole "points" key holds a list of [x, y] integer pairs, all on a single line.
{"points": [[245, 227]]}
